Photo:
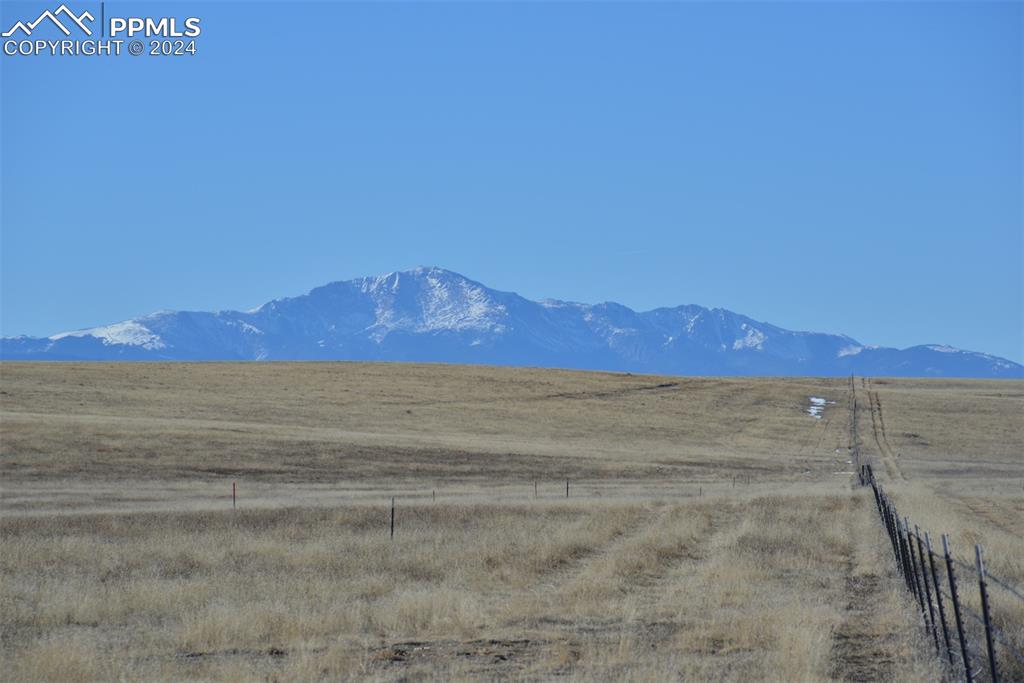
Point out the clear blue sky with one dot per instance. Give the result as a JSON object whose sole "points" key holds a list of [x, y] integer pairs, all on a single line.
{"points": [[850, 167]]}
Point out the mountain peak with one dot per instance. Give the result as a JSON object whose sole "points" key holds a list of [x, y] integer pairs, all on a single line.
{"points": [[428, 313]]}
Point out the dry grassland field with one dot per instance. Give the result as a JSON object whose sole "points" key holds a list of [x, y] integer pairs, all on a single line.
{"points": [[714, 530]]}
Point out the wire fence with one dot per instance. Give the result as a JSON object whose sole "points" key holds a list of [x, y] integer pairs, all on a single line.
{"points": [[973, 646]]}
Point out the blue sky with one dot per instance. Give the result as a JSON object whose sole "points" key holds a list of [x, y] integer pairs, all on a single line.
{"points": [[849, 167]]}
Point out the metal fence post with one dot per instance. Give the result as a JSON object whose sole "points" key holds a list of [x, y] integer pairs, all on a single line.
{"points": [[938, 598], [956, 610], [983, 589], [902, 541], [894, 537], [892, 533], [908, 559], [930, 614], [918, 593]]}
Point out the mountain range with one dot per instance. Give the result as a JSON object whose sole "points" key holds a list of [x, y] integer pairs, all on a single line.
{"points": [[435, 315]]}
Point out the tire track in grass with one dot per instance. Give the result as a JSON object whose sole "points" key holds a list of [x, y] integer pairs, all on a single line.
{"points": [[650, 617], [857, 654], [861, 650], [632, 579], [716, 519], [885, 451], [883, 454], [893, 455], [881, 425], [555, 580], [505, 646], [550, 603], [662, 609], [636, 530], [556, 396], [983, 511], [551, 581]]}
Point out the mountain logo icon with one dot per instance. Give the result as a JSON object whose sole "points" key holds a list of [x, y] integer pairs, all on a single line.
{"points": [[78, 20]]}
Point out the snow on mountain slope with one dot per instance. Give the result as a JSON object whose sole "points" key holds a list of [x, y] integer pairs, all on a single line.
{"points": [[431, 314], [130, 332]]}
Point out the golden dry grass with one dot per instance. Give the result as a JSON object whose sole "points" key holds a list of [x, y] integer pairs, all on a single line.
{"points": [[712, 531], [352, 421], [730, 589]]}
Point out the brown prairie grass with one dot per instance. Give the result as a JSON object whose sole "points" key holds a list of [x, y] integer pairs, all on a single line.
{"points": [[712, 530], [311, 422], [586, 589]]}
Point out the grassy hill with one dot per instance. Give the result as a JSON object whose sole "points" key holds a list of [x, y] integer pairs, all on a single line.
{"points": [[712, 529]]}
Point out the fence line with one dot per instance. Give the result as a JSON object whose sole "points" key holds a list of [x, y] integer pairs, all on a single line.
{"points": [[994, 579], [916, 560]]}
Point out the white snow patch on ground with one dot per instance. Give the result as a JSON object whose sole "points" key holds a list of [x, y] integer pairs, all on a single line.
{"points": [[849, 351], [130, 333], [817, 406]]}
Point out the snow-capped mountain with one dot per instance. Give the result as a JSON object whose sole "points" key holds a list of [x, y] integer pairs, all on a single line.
{"points": [[431, 314]]}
